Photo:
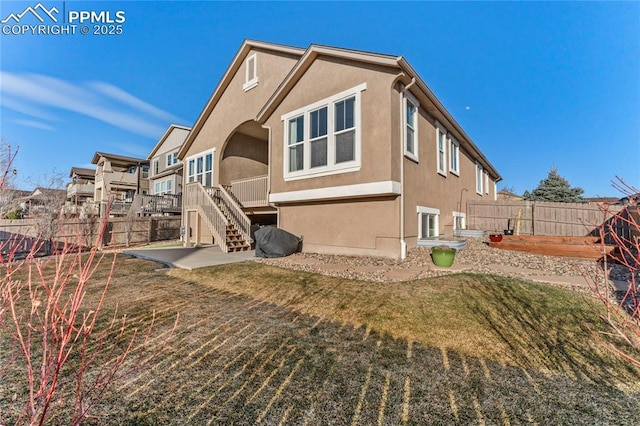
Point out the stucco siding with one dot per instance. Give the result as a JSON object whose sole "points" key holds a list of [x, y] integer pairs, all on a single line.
{"points": [[237, 106], [327, 77], [425, 187], [357, 227]]}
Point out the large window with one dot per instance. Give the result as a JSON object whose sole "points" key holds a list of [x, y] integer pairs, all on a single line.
{"points": [[427, 222], [411, 106], [324, 138], [454, 156], [441, 146], [200, 168]]}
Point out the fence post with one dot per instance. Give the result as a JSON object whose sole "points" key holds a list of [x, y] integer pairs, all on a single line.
{"points": [[533, 218]]}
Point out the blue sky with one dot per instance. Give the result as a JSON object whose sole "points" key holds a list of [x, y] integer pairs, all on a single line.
{"points": [[535, 84]]}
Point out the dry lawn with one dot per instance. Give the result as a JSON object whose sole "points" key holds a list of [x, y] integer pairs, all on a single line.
{"points": [[257, 344]]}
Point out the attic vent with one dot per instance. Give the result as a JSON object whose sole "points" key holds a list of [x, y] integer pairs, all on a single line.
{"points": [[251, 72]]}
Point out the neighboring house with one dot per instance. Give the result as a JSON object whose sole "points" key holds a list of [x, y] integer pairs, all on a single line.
{"points": [[349, 150], [118, 180], [166, 169], [80, 193], [43, 201], [82, 186]]}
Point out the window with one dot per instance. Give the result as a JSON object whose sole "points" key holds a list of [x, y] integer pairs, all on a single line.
{"points": [[145, 172], [486, 182], [200, 168], [318, 137], [459, 221], [427, 222], [479, 178], [163, 187], [324, 138], [441, 146], [251, 72], [454, 156], [155, 167], [411, 106], [296, 144], [172, 158]]}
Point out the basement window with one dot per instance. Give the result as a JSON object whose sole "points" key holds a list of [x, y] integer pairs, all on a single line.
{"points": [[427, 222]]}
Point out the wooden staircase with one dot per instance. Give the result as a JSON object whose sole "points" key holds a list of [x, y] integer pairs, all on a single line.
{"points": [[234, 240], [221, 214]]}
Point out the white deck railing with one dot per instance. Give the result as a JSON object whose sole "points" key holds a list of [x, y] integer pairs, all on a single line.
{"points": [[251, 192]]}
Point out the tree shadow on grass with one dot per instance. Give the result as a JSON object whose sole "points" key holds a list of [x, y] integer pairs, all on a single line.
{"points": [[552, 332]]}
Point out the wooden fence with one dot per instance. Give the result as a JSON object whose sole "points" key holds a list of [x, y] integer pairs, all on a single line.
{"points": [[118, 232], [538, 217]]}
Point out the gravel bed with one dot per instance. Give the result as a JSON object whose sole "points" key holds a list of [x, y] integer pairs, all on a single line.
{"points": [[477, 257]]}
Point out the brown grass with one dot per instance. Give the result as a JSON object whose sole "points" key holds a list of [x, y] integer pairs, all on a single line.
{"points": [[502, 319], [257, 344]]}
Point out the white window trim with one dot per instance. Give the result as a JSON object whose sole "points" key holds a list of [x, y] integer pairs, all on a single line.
{"points": [[454, 152], [441, 167], [250, 83], [428, 210], [408, 97], [464, 220], [157, 187], [331, 168], [194, 157], [360, 190], [479, 178]]}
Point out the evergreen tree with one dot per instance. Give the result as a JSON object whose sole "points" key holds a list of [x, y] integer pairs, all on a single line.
{"points": [[555, 188]]}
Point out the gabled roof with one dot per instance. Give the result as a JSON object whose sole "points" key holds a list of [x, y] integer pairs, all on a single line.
{"points": [[81, 171], [171, 128], [121, 158], [40, 193], [242, 53], [409, 76]]}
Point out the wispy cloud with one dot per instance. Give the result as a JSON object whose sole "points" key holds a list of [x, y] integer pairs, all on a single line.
{"points": [[27, 109], [30, 93], [33, 123]]}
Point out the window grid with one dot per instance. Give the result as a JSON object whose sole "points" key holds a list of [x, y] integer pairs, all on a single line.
{"points": [[323, 138]]}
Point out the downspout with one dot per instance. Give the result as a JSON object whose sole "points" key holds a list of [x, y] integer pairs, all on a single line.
{"points": [[403, 243], [269, 165]]}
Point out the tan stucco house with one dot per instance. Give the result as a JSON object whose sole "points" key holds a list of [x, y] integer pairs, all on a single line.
{"points": [[118, 180], [166, 168], [349, 150]]}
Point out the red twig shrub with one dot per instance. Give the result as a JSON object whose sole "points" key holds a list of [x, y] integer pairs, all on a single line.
{"points": [[622, 307], [68, 351]]}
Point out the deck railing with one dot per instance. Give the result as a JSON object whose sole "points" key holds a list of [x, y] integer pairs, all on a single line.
{"points": [[251, 192], [167, 203]]}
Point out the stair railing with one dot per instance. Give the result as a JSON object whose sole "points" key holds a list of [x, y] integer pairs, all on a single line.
{"points": [[196, 197]]}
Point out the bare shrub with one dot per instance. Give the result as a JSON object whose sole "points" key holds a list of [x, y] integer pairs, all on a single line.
{"points": [[67, 347], [622, 308]]}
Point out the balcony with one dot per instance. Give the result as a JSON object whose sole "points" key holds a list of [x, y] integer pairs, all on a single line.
{"points": [[80, 189], [251, 192]]}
